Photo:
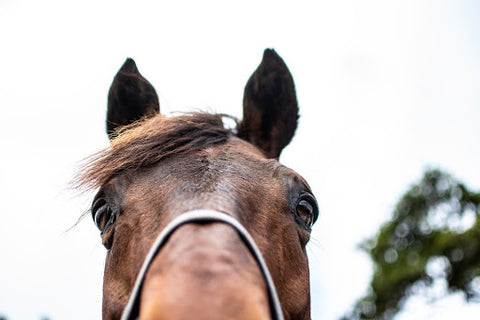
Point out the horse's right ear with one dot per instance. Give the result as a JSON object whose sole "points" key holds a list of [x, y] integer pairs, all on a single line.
{"points": [[131, 97], [270, 109]]}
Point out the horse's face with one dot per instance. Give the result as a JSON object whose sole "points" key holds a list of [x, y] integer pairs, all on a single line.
{"points": [[158, 169]]}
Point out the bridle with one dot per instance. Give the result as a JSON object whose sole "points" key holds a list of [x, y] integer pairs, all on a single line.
{"points": [[132, 308]]}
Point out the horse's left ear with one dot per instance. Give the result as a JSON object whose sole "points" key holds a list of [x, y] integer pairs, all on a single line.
{"points": [[270, 108], [131, 97]]}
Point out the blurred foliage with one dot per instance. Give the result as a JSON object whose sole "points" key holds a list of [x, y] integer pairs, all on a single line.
{"points": [[433, 237]]}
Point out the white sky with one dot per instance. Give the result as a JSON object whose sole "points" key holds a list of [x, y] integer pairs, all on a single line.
{"points": [[386, 89]]}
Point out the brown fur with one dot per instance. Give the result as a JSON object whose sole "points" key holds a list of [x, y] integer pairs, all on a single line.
{"points": [[233, 177], [158, 168]]}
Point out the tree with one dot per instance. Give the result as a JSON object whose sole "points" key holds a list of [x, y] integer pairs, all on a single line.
{"points": [[434, 235]]}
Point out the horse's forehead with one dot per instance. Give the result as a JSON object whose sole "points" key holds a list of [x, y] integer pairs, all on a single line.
{"points": [[234, 151], [235, 162], [237, 145]]}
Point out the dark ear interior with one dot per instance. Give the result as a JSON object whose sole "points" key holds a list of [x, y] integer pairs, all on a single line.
{"points": [[270, 108], [131, 97]]}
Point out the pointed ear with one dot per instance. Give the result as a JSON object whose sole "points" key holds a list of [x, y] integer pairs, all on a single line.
{"points": [[131, 97], [270, 109]]}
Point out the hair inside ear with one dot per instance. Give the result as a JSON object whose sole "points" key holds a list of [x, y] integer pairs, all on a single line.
{"points": [[131, 97], [270, 108]]}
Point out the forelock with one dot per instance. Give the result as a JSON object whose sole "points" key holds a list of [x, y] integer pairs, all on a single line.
{"points": [[145, 143]]}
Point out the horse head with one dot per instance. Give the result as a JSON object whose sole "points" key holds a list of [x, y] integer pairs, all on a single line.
{"points": [[159, 168]]}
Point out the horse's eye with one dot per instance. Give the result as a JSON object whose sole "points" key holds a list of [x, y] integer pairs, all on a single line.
{"points": [[307, 211], [103, 215]]}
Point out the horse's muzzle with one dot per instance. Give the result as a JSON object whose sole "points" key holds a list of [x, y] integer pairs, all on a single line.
{"points": [[131, 310]]}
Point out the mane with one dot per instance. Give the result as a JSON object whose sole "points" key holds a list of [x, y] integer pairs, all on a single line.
{"points": [[145, 143]]}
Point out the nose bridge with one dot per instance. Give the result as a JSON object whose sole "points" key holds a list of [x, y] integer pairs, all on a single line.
{"points": [[235, 282], [204, 271], [196, 245]]}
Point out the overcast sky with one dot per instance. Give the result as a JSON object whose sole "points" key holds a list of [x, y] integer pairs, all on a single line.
{"points": [[386, 89]]}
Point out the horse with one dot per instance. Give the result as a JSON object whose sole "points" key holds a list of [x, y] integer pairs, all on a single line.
{"points": [[199, 220]]}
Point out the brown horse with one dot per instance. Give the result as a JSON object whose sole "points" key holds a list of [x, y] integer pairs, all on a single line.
{"points": [[160, 169]]}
